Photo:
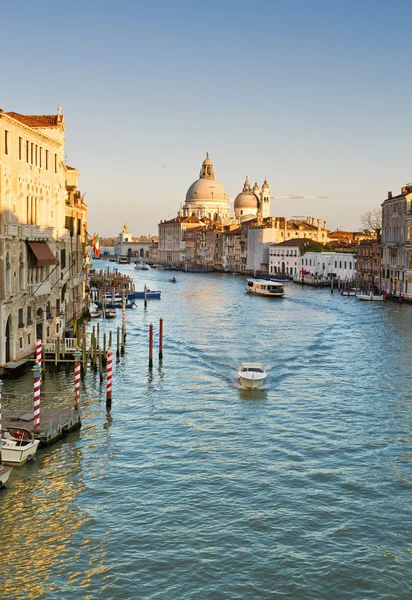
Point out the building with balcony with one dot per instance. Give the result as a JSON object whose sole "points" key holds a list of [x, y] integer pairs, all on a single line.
{"points": [[396, 267], [43, 222]]}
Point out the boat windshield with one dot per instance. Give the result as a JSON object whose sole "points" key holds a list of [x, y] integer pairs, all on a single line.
{"points": [[275, 288], [252, 369]]}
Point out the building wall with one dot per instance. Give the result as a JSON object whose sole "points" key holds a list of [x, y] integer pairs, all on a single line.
{"points": [[284, 259], [395, 257], [324, 264], [36, 301]]}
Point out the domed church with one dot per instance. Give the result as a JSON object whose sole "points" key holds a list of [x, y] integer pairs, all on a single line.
{"points": [[206, 197], [250, 201]]}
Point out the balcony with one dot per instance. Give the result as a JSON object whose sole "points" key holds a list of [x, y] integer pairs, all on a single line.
{"points": [[39, 289], [11, 229]]}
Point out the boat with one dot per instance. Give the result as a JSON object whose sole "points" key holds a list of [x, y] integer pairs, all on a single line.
{"points": [[251, 375], [141, 267], [173, 280], [150, 295], [123, 260], [94, 314], [4, 474], [110, 313], [370, 297], [18, 446], [270, 289], [351, 292]]}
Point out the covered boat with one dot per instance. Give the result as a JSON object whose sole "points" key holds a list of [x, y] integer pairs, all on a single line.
{"points": [[261, 287]]}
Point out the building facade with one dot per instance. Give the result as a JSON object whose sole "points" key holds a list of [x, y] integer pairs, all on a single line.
{"points": [[284, 257], [395, 247], [206, 197], [43, 225], [368, 265], [327, 265], [131, 247]]}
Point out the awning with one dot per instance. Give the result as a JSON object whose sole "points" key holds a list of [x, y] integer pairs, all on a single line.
{"points": [[44, 256]]}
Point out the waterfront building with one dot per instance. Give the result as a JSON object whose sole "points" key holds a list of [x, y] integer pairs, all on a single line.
{"points": [[396, 249], [262, 233], [231, 260], [43, 222], [251, 202], [329, 264], [350, 237], [133, 247], [368, 264], [284, 257], [206, 197], [172, 243]]}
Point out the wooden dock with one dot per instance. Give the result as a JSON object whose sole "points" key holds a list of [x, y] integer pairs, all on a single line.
{"points": [[55, 422]]}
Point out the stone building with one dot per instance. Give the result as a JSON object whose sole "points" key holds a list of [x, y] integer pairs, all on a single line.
{"points": [[132, 247], [43, 222], [368, 265], [206, 197], [284, 257], [329, 265], [395, 256]]}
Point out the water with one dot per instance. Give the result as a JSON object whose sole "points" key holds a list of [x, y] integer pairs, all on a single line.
{"points": [[195, 489]]}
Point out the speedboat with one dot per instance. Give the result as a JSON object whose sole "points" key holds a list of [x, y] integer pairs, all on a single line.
{"points": [[370, 297], [261, 287], [251, 375], [173, 280], [18, 446]]}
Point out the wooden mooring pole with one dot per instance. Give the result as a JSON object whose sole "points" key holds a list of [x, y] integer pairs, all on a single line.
{"points": [[150, 346], [161, 339]]}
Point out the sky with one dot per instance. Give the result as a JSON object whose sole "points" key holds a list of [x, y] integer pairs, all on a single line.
{"points": [[315, 95]]}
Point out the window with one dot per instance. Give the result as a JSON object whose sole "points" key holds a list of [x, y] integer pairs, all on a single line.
{"points": [[29, 339], [340, 264], [20, 147], [20, 315], [35, 155], [55, 163], [57, 306], [40, 150], [63, 259], [29, 321], [350, 265], [47, 160], [31, 152], [27, 151], [345, 264], [6, 141], [336, 264], [21, 343]]}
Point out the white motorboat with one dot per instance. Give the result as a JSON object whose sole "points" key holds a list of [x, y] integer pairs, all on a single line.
{"points": [[261, 287], [94, 314], [351, 292], [18, 446], [4, 474], [371, 297], [251, 375]]}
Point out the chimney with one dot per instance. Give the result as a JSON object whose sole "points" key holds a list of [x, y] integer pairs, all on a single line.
{"points": [[319, 223], [324, 224], [313, 220], [389, 195]]}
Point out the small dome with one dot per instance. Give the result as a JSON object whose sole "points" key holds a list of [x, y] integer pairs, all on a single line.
{"points": [[265, 185], [246, 199], [207, 160], [256, 188]]}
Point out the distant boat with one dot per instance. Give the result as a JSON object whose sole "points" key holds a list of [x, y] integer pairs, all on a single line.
{"points": [[269, 289], [173, 280], [351, 292], [123, 260], [251, 375], [141, 267]]}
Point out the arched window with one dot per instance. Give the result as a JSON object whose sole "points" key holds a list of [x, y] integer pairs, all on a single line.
{"points": [[141, 253]]}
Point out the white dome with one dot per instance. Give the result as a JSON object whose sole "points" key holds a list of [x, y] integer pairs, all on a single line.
{"points": [[246, 199], [208, 190]]}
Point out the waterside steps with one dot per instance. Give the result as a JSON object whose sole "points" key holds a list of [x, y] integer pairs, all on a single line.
{"points": [[55, 421]]}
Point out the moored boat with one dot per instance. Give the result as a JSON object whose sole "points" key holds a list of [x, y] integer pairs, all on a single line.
{"points": [[261, 287], [351, 292], [370, 297], [4, 474], [18, 446], [251, 375], [110, 313]]}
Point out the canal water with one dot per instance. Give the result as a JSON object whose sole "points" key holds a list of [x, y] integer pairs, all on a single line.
{"points": [[192, 488]]}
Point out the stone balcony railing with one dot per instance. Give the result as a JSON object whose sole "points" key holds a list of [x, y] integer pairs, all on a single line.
{"points": [[39, 289], [35, 232]]}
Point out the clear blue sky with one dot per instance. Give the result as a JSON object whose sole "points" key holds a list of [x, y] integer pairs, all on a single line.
{"points": [[316, 95]]}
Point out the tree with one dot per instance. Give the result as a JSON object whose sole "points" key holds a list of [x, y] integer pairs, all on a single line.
{"points": [[371, 220]]}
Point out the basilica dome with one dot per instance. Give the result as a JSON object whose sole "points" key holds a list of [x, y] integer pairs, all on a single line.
{"points": [[206, 188]]}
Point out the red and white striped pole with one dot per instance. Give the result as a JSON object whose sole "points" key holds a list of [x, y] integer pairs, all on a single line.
{"points": [[39, 348], [36, 397], [109, 368], [123, 320], [77, 374]]}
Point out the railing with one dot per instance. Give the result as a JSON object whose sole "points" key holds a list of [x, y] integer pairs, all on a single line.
{"points": [[39, 289]]}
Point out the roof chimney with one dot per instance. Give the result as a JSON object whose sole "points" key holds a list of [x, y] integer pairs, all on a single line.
{"points": [[319, 223], [389, 195], [324, 224]]}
